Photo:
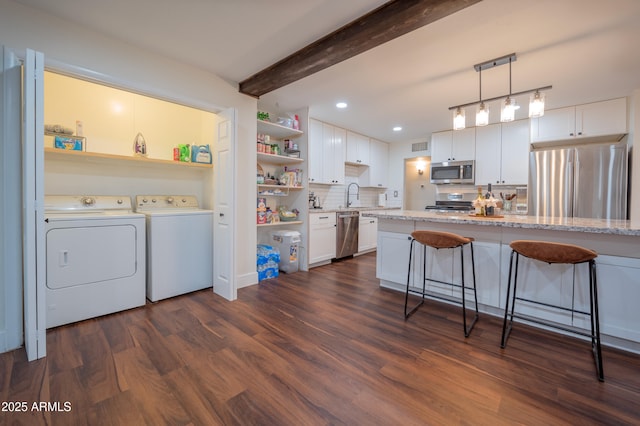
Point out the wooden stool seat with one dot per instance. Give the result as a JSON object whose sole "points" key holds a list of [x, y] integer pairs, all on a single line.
{"points": [[442, 240], [551, 252]]}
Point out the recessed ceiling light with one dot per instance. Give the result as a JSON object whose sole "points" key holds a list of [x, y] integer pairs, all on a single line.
{"points": [[341, 105], [397, 129]]}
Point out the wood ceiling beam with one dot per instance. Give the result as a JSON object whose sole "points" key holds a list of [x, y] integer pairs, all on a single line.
{"points": [[393, 19]]}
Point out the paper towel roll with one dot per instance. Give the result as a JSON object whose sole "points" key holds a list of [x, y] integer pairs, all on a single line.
{"points": [[382, 200]]}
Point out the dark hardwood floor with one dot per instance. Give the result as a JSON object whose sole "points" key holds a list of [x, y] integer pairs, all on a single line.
{"points": [[324, 347]]}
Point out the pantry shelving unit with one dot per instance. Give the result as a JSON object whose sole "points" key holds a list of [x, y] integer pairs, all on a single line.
{"points": [[288, 194]]}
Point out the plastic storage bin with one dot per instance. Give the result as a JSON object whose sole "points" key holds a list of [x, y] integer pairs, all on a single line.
{"points": [[287, 244]]}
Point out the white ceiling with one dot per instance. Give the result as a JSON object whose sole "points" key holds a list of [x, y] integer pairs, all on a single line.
{"points": [[584, 48]]}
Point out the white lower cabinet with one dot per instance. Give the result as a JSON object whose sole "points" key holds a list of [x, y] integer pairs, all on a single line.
{"points": [[618, 296], [568, 286], [393, 257], [367, 233], [393, 262], [322, 237], [442, 265], [540, 282], [554, 284], [487, 265]]}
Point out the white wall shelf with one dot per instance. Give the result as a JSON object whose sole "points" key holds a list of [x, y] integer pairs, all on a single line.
{"points": [[276, 130], [281, 223], [278, 159], [262, 188], [64, 154]]}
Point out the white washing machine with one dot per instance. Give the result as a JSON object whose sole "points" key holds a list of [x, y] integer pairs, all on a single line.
{"points": [[95, 249], [179, 245]]}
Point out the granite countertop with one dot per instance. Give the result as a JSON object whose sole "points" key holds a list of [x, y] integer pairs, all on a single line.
{"points": [[597, 226], [354, 209]]}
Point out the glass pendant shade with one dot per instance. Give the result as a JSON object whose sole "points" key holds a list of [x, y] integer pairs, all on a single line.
{"points": [[482, 115], [508, 112], [536, 105], [459, 120]]}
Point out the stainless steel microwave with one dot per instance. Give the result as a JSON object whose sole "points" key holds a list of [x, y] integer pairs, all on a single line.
{"points": [[453, 172]]}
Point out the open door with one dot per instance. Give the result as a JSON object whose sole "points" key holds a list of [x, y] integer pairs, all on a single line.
{"points": [[224, 207], [33, 205], [11, 312]]}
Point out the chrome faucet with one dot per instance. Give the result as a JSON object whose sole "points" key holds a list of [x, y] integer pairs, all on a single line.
{"points": [[348, 193]]}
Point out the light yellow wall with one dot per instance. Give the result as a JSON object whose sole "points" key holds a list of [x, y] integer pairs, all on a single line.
{"points": [[418, 190], [111, 118]]}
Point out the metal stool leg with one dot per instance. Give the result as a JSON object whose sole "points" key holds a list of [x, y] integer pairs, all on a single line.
{"points": [[467, 331], [406, 296], [595, 320], [506, 328]]}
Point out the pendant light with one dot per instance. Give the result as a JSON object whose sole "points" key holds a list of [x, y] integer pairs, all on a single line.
{"points": [[536, 104], [508, 102], [482, 114], [459, 119], [508, 112]]}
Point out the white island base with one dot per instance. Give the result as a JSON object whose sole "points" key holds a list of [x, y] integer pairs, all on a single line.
{"points": [[618, 266]]}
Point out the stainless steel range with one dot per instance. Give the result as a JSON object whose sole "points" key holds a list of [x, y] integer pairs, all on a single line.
{"points": [[452, 206], [453, 203]]}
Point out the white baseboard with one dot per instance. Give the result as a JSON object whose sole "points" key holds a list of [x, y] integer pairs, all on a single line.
{"points": [[247, 280]]}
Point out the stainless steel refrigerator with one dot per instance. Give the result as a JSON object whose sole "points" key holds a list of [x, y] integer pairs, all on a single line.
{"points": [[584, 181]]}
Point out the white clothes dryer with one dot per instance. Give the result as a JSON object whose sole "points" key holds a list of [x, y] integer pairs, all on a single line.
{"points": [[95, 257], [179, 245]]}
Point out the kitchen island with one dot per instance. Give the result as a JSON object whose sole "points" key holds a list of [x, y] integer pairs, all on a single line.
{"points": [[616, 241]]}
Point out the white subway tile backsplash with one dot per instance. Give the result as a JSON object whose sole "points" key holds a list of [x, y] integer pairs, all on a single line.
{"points": [[335, 196]]}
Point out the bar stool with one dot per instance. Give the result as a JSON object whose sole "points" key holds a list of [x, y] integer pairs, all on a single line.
{"points": [[555, 253], [442, 240]]}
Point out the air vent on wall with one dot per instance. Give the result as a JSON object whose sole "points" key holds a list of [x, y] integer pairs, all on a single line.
{"points": [[420, 146]]}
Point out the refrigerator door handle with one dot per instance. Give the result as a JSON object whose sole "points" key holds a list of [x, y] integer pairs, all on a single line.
{"points": [[572, 167]]}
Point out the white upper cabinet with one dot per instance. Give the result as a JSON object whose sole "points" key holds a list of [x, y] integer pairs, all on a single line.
{"points": [[357, 149], [335, 173], [377, 174], [606, 120], [316, 158], [441, 146], [453, 145], [488, 145], [326, 153], [514, 164], [502, 153]]}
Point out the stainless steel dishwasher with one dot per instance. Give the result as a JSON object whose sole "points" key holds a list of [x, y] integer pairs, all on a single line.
{"points": [[347, 224]]}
